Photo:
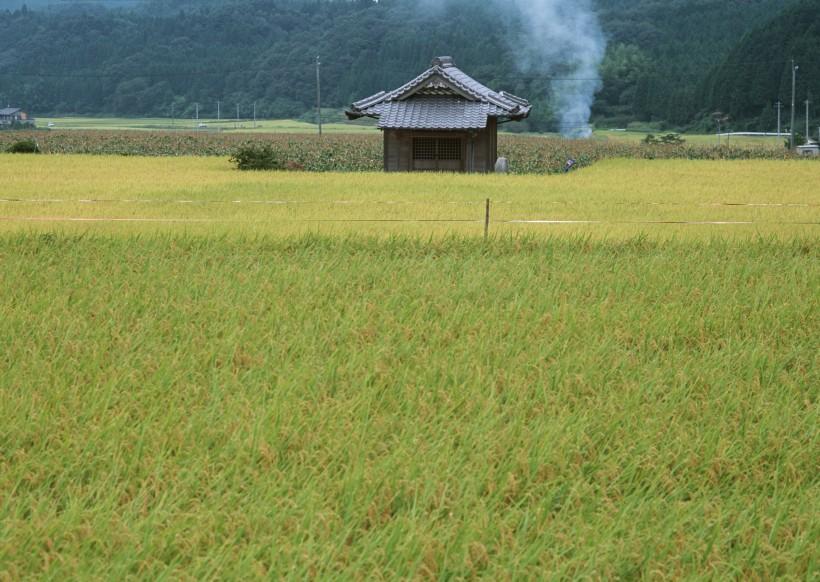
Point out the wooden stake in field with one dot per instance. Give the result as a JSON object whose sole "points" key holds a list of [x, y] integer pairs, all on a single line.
{"points": [[487, 220]]}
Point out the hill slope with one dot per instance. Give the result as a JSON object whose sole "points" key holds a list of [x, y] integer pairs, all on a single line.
{"points": [[757, 73], [148, 61]]}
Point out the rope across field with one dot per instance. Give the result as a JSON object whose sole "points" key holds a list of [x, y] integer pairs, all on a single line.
{"points": [[619, 198], [487, 220]]}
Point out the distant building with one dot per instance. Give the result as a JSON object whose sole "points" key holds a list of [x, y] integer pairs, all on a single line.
{"points": [[443, 120], [810, 149], [14, 115]]}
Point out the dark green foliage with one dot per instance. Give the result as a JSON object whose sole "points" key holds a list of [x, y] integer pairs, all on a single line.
{"points": [[256, 157], [17, 125], [24, 146], [668, 139], [757, 73], [662, 50], [799, 139]]}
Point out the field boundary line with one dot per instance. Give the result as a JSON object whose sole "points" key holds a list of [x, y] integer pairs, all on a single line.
{"points": [[672, 222], [270, 202], [545, 221], [394, 202], [107, 219]]}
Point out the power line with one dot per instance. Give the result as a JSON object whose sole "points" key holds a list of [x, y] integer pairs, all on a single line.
{"points": [[783, 62], [234, 71]]}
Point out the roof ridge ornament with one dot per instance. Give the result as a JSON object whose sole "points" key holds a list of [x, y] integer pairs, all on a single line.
{"points": [[443, 62]]}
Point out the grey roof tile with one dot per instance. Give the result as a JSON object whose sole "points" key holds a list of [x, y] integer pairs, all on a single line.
{"points": [[436, 112]]}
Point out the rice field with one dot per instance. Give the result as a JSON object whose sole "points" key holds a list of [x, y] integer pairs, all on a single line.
{"points": [[613, 199], [208, 374], [771, 141]]}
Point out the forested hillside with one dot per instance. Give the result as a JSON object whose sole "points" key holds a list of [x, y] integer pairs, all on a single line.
{"points": [[164, 57], [63, 4], [661, 50], [757, 73]]}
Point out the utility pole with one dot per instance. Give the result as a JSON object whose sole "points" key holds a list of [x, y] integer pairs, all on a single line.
{"points": [[319, 94], [172, 114], [719, 118], [254, 114], [236, 124], [808, 135], [779, 109], [197, 111], [794, 89], [218, 110]]}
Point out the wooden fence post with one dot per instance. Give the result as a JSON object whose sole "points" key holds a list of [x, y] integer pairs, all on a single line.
{"points": [[487, 221]]}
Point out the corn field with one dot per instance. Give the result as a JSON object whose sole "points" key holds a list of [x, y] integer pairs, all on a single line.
{"points": [[357, 153]]}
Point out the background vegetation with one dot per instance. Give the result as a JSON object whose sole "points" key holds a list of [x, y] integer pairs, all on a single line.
{"points": [[364, 152], [751, 79], [669, 62]]}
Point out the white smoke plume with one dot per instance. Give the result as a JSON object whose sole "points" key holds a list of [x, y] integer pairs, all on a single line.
{"points": [[565, 40], [562, 40]]}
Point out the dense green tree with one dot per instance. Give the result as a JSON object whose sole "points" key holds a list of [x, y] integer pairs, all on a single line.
{"points": [[624, 71], [669, 61], [757, 73]]}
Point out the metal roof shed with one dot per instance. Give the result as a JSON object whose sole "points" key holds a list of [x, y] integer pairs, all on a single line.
{"points": [[809, 149], [11, 115], [443, 120]]}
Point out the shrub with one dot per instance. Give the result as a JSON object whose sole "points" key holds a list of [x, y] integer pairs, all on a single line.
{"points": [[256, 157], [799, 139], [668, 139], [24, 146]]}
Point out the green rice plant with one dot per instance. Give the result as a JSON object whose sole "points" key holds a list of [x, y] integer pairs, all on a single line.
{"points": [[180, 406], [207, 373]]}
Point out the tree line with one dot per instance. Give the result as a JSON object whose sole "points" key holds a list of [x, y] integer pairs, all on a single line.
{"points": [[669, 62]]}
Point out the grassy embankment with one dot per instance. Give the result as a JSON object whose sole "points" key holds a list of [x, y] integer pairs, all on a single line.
{"points": [[223, 400]]}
